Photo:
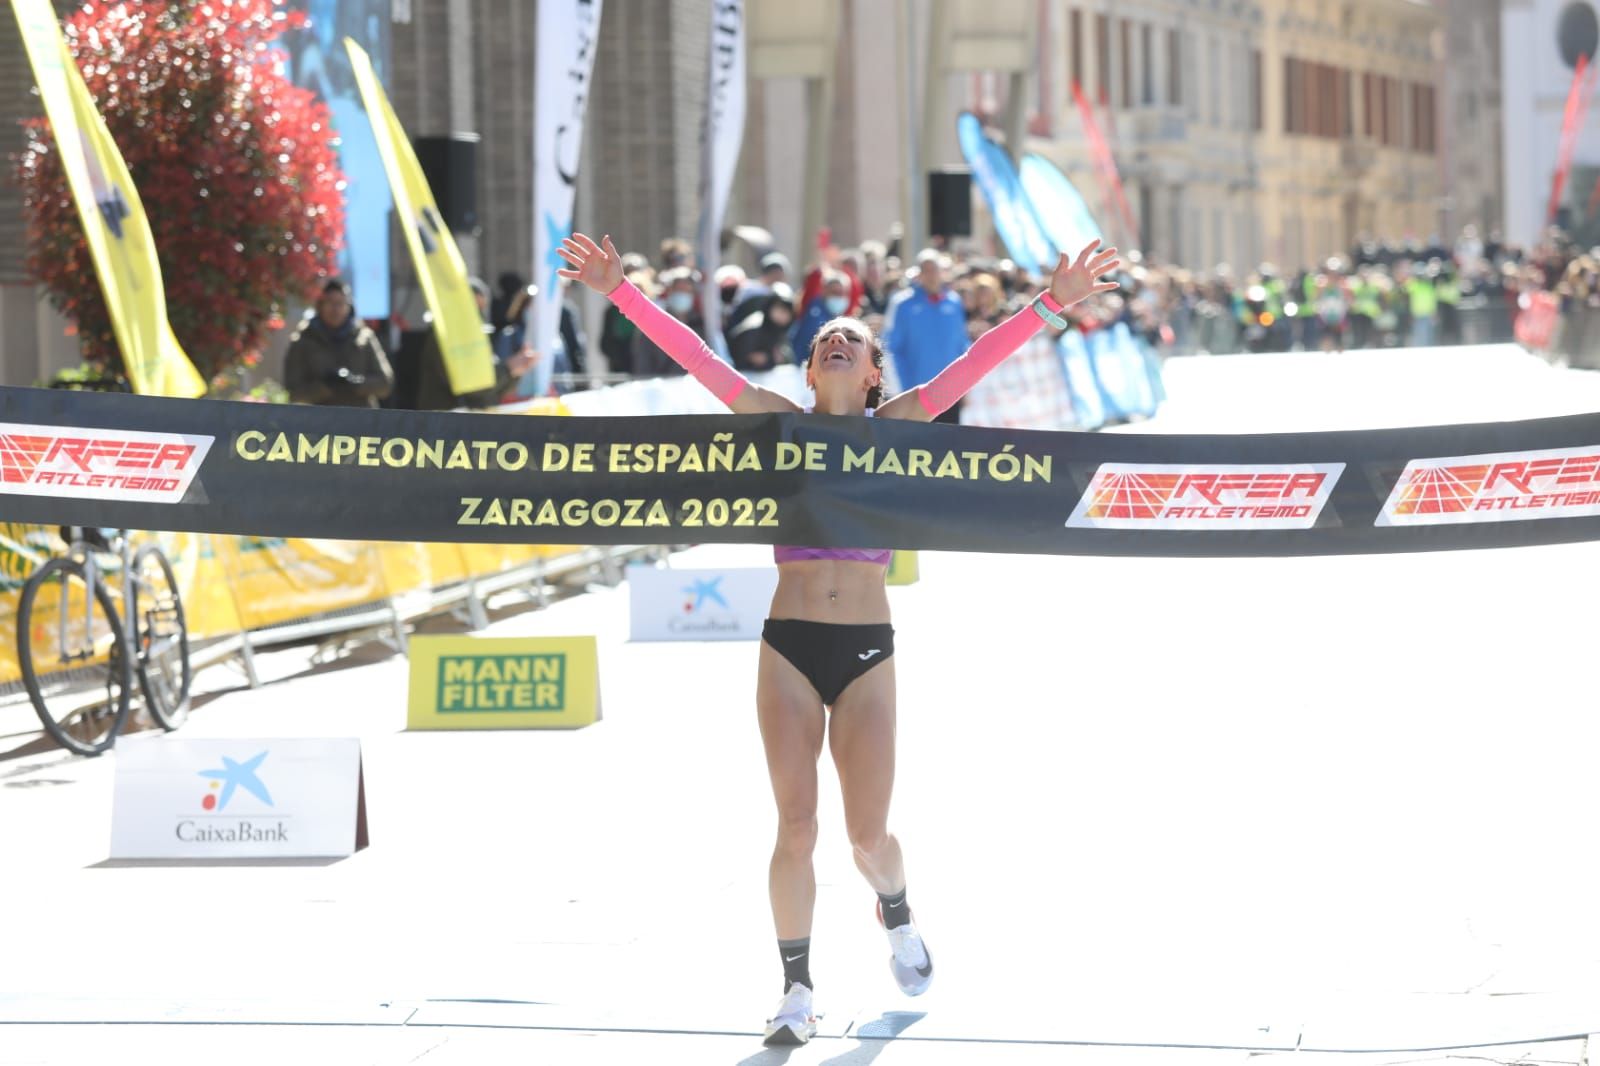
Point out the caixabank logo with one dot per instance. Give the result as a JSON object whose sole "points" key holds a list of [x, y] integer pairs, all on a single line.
{"points": [[98, 464], [1156, 496], [478, 683], [217, 825], [1500, 487]]}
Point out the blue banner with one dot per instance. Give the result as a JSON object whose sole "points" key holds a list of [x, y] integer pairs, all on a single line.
{"points": [[997, 179], [317, 61], [1060, 208], [1087, 403]]}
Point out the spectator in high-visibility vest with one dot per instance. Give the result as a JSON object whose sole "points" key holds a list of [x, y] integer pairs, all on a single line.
{"points": [[1448, 286], [1365, 307], [1424, 305]]}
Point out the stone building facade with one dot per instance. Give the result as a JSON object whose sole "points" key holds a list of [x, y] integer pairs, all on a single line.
{"points": [[1245, 130]]}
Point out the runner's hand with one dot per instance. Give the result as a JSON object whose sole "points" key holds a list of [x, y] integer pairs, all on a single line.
{"points": [[1078, 281], [598, 267]]}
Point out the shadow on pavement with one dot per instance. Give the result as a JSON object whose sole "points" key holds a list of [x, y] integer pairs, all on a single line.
{"points": [[874, 1036]]}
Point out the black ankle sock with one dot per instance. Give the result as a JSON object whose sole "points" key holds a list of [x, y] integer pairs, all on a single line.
{"points": [[796, 956], [895, 910]]}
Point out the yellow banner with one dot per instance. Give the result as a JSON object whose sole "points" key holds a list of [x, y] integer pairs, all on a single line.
{"points": [[503, 683], [457, 326], [276, 580], [114, 222]]}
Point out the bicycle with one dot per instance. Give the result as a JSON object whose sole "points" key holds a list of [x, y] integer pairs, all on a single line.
{"points": [[73, 643]]}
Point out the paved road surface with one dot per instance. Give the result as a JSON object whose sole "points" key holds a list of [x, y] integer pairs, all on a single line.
{"points": [[1188, 807]]}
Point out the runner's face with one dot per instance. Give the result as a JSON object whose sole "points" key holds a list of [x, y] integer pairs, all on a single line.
{"points": [[841, 357]]}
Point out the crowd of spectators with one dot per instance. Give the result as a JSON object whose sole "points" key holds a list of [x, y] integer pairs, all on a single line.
{"points": [[928, 307]]}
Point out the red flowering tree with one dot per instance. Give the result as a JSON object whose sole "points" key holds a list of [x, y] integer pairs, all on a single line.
{"points": [[235, 166]]}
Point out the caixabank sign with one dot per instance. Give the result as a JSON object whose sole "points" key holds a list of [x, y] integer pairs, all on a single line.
{"points": [[503, 683], [726, 604], [235, 799]]}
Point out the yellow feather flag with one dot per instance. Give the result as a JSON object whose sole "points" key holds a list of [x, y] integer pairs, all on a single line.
{"points": [[113, 217], [458, 327]]}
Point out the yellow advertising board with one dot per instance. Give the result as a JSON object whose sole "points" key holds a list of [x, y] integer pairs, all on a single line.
{"points": [[902, 568], [276, 580], [503, 683]]}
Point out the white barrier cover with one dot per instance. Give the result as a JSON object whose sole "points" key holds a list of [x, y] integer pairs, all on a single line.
{"points": [[229, 799], [726, 604]]}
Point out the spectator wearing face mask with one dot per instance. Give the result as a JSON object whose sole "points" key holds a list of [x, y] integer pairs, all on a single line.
{"points": [[678, 297], [833, 303]]}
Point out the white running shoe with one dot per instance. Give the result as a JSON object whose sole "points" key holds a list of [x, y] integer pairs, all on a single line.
{"points": [[794, 1023], [909, 959]]}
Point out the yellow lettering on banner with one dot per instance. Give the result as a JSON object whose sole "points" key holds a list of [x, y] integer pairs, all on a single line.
{"points": [[405, 451], [789, 456], [469, 511], [310, 450], [582, 458], [556, 457], [430, 453], [249, 442], [548, 515], [617, 462], [750, 460], [459, 459], [658, 515], [816, 455], [495, 515], [890, 463], [280, 451], [343, 448], [521, 512], [458, 671], [691, 461], [948, 466], [369, 452], [919, 463], [854, 460]]}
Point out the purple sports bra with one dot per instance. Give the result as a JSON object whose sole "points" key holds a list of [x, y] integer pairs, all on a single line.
{"points": [[784, 553]]}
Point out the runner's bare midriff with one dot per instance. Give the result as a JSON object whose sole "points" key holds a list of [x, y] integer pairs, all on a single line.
{"points": [[831, 590]]}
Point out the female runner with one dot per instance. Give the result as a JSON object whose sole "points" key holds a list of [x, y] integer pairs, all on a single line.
{"points": [[828, 643]]}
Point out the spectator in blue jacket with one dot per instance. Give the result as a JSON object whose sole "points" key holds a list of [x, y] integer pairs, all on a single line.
{"points": [[926, 328], [835, 301]]}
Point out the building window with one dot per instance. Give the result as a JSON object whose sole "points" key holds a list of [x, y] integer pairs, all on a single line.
{"points": [[1289, 95], [1147, 66], [1214, 82], [1174, 68], [1075, 46], [1257, 118], [1366, 104], [1126, 71], [1102, 57], [1346, 120]]}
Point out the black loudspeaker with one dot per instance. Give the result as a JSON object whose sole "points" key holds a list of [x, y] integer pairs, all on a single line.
{"points": [[950, 202], [451, 166]]}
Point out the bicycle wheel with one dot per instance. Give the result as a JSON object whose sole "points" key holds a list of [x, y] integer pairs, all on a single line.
{"points": [[161, 638], [79, 675]]}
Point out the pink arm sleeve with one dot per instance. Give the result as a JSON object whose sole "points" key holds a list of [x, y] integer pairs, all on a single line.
{"points": [[986, 353], [680, 343]]}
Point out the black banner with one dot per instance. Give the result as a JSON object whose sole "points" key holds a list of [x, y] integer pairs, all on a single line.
{"points": [[150, 463]]}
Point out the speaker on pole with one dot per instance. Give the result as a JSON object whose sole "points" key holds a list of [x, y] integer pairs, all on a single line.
{"points": [[451, 166], [950, 202]]}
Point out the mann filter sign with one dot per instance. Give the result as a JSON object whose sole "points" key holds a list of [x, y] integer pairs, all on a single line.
{"points": [[730, 604], [503, 683], [234, 799]]}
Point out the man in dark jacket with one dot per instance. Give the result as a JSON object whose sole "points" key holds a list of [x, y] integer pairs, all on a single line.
{"points": [[334, 359]]}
